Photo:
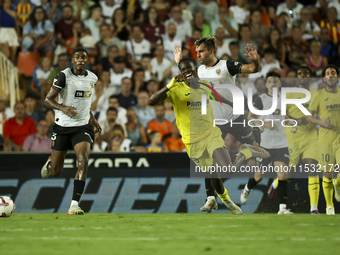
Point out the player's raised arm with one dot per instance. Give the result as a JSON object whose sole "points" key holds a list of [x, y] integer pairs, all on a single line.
{"points": [[253, 56], [177, 54]]}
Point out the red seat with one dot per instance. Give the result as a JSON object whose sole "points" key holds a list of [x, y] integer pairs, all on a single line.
{"points": [[27, 61]]}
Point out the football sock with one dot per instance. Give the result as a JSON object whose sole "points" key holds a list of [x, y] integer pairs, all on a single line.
{"points": [[276, 183], [247, 153], [224, 197], [78, 189], [209, 188], [251, 183], [282, 192], [283, 207], [313, 190], [327, 187]]}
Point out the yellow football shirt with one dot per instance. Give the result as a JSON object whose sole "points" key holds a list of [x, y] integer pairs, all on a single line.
{"points": [[303, 132], [327, 104], [187, 104]]}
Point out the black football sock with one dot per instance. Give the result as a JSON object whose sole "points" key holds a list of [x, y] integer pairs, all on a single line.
{"points": [[209, 188], [251, 183], [282, 191], [78, 189]]}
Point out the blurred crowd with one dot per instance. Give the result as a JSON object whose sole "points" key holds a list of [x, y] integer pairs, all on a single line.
{"points": [[130, 44]]}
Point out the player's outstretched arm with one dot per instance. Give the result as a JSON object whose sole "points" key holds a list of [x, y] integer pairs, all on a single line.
{"points": [[177, 54], [254, 57], [161, 95], [51, 103]]}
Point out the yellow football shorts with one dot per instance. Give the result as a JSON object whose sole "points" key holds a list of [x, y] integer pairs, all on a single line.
{"points": [[202, 152], [329, 157], [304, 149]]}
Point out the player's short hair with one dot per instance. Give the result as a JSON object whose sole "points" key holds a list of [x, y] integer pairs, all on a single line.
{"points": [[111, 109], [80, 49], [304, 67], [186, 59], [330, 66], [208, 41], [273, 74]]}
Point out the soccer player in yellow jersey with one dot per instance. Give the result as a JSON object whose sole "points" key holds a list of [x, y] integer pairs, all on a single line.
{"points": [[303, 143], [202, 139], [326, 104]]}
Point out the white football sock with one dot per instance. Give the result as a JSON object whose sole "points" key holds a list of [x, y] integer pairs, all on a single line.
{"points": [[74, 203]]}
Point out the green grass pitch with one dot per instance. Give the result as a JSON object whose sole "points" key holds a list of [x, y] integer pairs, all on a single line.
{"points": [[169, 234]]}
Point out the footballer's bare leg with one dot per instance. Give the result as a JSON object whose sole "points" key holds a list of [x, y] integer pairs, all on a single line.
{"points": [[82, 151], [54, 165]]}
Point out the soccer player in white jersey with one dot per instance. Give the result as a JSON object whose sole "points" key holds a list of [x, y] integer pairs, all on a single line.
{"points": [[274, 140], [74, 125], [224, 72]]}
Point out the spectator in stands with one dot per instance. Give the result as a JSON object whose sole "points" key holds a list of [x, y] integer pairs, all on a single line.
{"points": [[63, 62], [38, 32], [169, 112], [81, 9], [40, 75], [5, 114], [105, 63], [38, 142], [23, 8], [328, 48], [121, 111], [87, 41], [152, 28], [54, 10], [333, 24], [240, 12], [292, 8], [198, 23], [170, 41], [208, 8], [152, 87], [30, 109], [316, 61], [135, 130], [108, 123], [138, 82], [260, 85], [17, 128], [244, 35], [190, 43], [235, 55], [74, 42], [118, 71], [126, 98], [174, 142], [109, 89], [297, 49], [146, 65], [160, 63], [222, 45], [268, 63], [276, 42], [155, 142], [116, 143], [96, 19], [144, 112], [336, 5], [120, 139], [50, 119], [259, 31], [290, 80], [122, 28], [310, 29], [133, 11], [137, 46], [108, 7], [106, 40], [283, 25], [183, 27], [63, 29], [336, 60], [9, 41], [160, 124], [162, 8], [224, 20]]}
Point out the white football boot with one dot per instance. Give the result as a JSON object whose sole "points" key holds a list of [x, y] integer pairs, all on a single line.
{"points": [[211, 204], [234, 209], [245, 195], [44, 171], [75, 210], [330, 210]]}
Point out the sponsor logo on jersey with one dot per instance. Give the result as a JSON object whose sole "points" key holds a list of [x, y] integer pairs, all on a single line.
{"points": [[82, 94], [332, 106]]}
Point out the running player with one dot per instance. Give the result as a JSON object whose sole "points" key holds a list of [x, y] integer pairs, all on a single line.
{"points": [[74, 122], [326, 104], [303, 143], [224, 72], [204, 143], [274, 140]]}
